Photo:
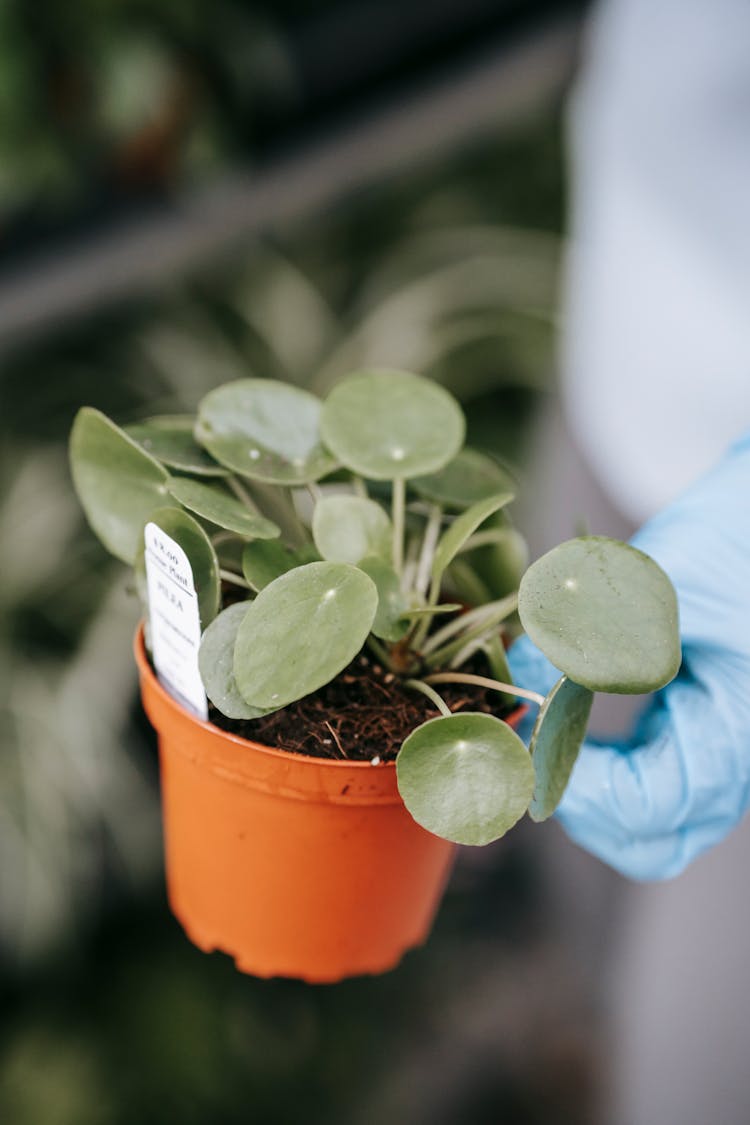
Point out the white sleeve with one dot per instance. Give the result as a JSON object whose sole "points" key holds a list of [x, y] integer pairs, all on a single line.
{"points": [[656, 352]]}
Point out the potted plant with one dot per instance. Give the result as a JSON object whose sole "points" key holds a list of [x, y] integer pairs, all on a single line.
{"points": [[329, 589]]}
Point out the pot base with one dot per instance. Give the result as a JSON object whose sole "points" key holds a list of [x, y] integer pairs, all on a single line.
{"points": [[294, 866]]}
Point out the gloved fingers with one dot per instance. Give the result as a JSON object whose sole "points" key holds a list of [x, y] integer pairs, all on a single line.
{"points": [[649, 858], [652, 807]]}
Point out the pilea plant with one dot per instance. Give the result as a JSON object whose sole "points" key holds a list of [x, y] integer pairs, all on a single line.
{"points": [[363, 521]]}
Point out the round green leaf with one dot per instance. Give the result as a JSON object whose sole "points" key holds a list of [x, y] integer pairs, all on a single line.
{"points": [[197, 546], [392, 605], [559, 730], [216, 663], [392, 424], [471, 476], [216, 506], [301, 631], [118, 483], [350, 528], [263, 561], [604, 613], [266, 430], [169, 438], [465, 777], [463, 527]]}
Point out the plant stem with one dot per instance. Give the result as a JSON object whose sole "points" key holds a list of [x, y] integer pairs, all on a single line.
{"points": [[315, 491], [380, 651], [242, 494], [431, 533], [278, 505], [359, 487], [410, 566], [420, 685], [235, 579], [398, 504], [483, 681], [492, 611]]}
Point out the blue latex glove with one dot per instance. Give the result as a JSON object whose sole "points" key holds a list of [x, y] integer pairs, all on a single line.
{"points": [[650, 804]]}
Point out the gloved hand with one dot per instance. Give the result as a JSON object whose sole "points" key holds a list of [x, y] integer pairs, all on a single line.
{"points": [[652, 803]]}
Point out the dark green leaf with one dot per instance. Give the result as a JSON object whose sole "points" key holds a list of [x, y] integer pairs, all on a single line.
{"points": [[263, 561], [559, 730], [471, 476], [212, 503], [118, 483], [169, 438]]}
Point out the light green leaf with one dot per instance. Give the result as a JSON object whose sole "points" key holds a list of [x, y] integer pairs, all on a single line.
{"points": [[301, 631], [391, 424], [471, 476], [169, 438], [463, 527], [118, 483], [204, 564], [350, 528], [265, 430], [559, 730], [465, 777], [216, 506], [392, 606], [604, 613], [216, 663], [263, 561]]}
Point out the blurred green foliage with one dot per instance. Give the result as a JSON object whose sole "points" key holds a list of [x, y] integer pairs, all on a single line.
{"points": [[108, 1015]]}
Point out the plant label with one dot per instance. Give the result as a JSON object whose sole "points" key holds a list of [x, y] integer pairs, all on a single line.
{"points": [[175, 620]]}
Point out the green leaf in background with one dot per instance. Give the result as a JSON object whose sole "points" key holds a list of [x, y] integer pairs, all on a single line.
{"points": [[216, 663], [216, 506], [301, 631], [204, 564], [500, 565], [466, 777], [463, 527], [471, 476], [559, 730], [390, 425], [389, 623], [265, 560], [169, 438], [351, 528], [118, 483], [604, 613], [265, 430]]}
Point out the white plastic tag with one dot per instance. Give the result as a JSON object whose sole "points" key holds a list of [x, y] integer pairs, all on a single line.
{"points": [[175, 620]]}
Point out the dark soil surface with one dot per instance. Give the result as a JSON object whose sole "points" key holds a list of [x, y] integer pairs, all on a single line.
{"points": [[364, 713]]}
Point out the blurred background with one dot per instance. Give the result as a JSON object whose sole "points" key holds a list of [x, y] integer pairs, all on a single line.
{"points": [[192, 191]]}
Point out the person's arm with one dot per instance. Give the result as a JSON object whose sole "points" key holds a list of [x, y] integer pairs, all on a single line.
{"points": [[651, 804]]}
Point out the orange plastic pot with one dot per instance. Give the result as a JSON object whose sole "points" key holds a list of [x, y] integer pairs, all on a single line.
{"points": [[295, 866]]}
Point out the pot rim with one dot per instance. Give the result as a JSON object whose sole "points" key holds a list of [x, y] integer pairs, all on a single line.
{"points": [[146, 669], [344, 766]]}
